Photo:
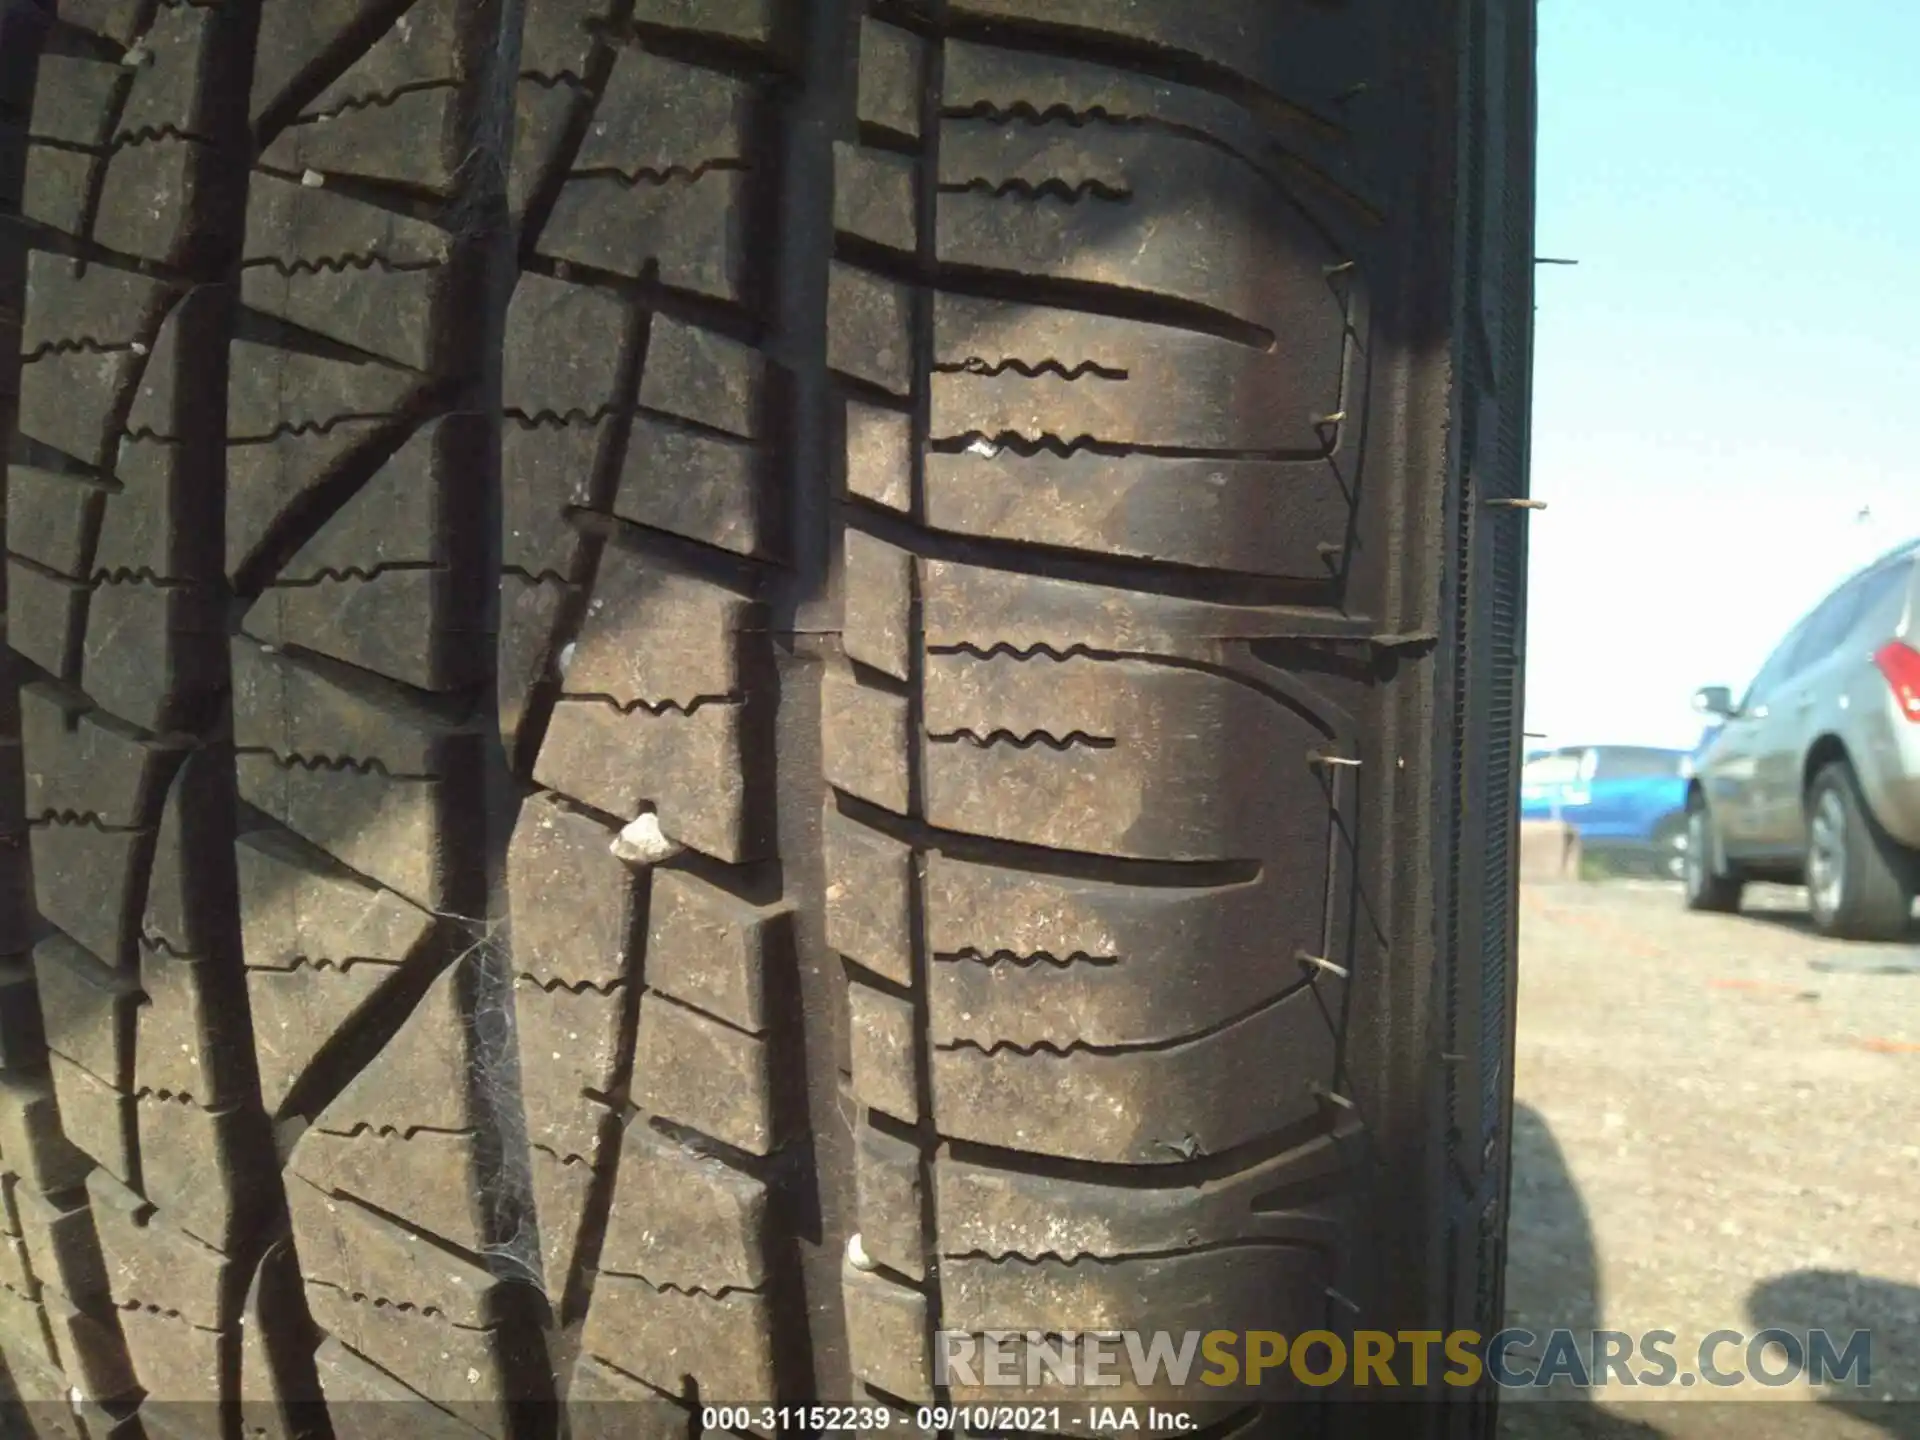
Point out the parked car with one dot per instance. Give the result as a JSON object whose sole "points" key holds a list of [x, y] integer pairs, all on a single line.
{"points": [[1626, 801], [1814, 775]]}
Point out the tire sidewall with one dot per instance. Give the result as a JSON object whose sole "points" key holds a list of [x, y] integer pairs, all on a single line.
{"points": [[1831, 782], [1700, 870]]}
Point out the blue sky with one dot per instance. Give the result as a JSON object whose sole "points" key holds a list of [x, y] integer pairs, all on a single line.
{"points": [[1732, 372]]}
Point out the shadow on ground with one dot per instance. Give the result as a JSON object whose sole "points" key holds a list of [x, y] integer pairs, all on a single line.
{"points": [[1842, 1302], [1553, 1282]]}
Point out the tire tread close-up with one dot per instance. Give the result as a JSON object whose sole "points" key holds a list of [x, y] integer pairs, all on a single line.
{"points": [[697, 689]]}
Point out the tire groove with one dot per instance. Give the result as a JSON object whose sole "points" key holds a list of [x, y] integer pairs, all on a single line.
{"points": [[724, 317], [1217, 1168], [925, 1131], [576, 1288], [603, 486], [1050, 1049], [1320, 602], [94, 507], [23, 33], [116, 109], [1085, 297], [591, 88], [1042, 860], [195, 784]]}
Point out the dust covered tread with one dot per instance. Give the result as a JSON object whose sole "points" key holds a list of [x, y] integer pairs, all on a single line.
{"points": [[674, 633]]}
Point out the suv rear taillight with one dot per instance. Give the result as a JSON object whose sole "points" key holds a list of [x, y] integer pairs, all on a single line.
{"points": [[1900, 663]]}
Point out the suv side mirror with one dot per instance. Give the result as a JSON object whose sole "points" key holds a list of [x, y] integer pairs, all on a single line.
{"points": [[1714, 700]]}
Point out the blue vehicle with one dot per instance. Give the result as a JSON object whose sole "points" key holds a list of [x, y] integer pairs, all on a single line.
{"points": [[1625, 801]]}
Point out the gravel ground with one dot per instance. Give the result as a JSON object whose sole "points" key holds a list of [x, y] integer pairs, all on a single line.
{"points": [[1716, 1127]]}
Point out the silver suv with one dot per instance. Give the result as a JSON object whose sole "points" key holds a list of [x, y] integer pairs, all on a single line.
{"points": [[1815, 775]]}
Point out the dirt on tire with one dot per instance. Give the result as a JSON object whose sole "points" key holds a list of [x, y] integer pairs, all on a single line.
{"points": [[698, 690]]}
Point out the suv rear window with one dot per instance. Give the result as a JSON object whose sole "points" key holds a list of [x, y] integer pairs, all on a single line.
{"points": [[1840, 615]]}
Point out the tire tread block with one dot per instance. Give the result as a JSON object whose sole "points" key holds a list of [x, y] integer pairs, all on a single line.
{"points": [[67, 399], [441, 1361], [175, 1362], [547, 469], [90, 1352], [569, 1051], [428, 1178], [701, 375], [1257, 517], [148, 652], [604, 1402], [712, 950], [690, 235], [1307, 57], [657, 639], [658, 180], [141, 211], [401, 1134], [665, 1337], [152, 1262], [361, 276], [168, 93], [386, 1408], [97, 1116], [564, 347], [73, 100], [56, 188], [206, 1168], [684, 1219], [418, 50], [1119, 757], [350, 1248], [349, 770], [530, 612], [46, 515], [84, 761], [688, 481], [888, 1342], [867, 740], [574, 901], [994, 1214], [320, 943], [700, 1073], [687, 766], [890, 1182], [32, 1145], [1259, 1075], [1142, 210], [88, 1007], [372, 588], [869, 896], [1281, 1287], [63, 1246], [100, 304], [563, 1189], [1026, 957], [1001, 369]]}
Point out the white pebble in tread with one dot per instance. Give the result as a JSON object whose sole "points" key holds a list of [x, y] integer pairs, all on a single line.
{"points": [[643, 842], [857, 1255]]}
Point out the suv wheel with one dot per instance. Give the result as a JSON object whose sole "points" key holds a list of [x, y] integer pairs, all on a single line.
{"points": [[1710, 884], [1859, 879]]}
